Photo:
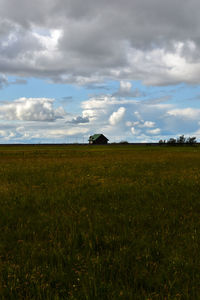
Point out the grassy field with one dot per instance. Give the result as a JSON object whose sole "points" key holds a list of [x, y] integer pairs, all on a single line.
{"points": [[99, 222]]}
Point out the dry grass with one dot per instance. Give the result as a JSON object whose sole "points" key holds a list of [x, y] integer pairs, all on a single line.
{"points": [[112, 222]]}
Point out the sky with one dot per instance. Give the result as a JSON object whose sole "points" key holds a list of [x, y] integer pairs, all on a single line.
{"points": [[127, 69]]}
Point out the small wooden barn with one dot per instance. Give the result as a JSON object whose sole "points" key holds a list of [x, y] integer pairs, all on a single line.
{"points": [[98, 139]]}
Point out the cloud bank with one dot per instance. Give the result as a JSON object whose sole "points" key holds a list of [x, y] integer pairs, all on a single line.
{"points": [[40, 120], [87, 42]]}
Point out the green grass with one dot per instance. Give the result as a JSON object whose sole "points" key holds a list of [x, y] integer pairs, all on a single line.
{"points": [[103, 222]]}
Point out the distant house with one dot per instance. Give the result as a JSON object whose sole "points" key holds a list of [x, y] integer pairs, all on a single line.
{"points": [[97, 139]]}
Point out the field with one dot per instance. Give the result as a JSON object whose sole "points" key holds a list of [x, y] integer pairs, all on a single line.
{"points": [[99, 222]]}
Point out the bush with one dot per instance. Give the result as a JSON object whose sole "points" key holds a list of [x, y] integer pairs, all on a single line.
{"points": [[123, 142]]}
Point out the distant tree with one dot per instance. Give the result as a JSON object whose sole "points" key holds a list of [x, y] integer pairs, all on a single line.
{"points": [[181, 140], [162, 142], [171, 141], [123, 142], [191, 140]]}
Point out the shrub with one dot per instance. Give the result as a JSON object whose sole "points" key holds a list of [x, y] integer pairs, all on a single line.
{"points": [[123, 142]]}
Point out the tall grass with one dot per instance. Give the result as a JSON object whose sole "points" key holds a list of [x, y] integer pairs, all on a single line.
{"points": [[105, 222]]}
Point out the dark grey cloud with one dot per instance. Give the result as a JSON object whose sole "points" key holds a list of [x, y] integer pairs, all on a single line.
{"points": [[84, 42]]}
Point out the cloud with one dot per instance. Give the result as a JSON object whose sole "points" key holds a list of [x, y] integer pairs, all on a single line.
{"points": [[141, 124], [117, 116], [125, 90], [106, 112], [59, 133], [155, 131], [41, 132], [3, 81], [188, 113], [149, 124], [40, 120], [79, 120], [142, 120], [31, 109], [134, 131], [69, 42], [18, 81], [125, 86]]}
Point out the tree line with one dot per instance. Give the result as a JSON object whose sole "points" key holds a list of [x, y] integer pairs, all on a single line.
{"points": [[181, 140]]}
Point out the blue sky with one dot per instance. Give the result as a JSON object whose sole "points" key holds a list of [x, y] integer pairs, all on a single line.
{"points": [[129, 70]]}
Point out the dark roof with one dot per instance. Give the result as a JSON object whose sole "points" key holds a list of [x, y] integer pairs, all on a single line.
{"points": [[94, 137]]}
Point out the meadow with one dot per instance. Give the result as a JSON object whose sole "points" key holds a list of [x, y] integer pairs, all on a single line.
{"points": [[99, 222]]}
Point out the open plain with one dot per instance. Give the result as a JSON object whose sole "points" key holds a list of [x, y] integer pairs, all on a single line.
{"points": [[99, 222]]}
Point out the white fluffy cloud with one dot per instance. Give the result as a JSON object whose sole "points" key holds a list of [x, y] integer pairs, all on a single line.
{"points": [[31, 109], [125, 86], [134, 131], [149, 124], [117, 116]]}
